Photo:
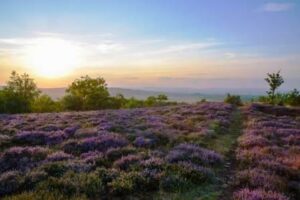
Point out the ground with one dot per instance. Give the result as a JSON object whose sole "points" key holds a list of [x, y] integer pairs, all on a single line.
{"points": [[204, 151]]}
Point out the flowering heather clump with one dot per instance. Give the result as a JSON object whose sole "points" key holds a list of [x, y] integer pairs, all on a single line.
{"points": [[113, 154], [195, 173], [102, 142], [153, 163], [59, 156], [193, 153], [92, 157], [257, 178], [10, 182], [249, 140], [247, 194], [49, 127], [144, 142], [126, 161], [40, 137], [21, 157]]}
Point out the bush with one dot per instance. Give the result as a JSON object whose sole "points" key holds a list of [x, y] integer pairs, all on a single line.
{"points": [[174, 183], [126, 183], [10, 182], [246, 194], [233, 99], [22, 158], [44, 103], [192, 172], [44, 195], [293, 98], [55, 169]]}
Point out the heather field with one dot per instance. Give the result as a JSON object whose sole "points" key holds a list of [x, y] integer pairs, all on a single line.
{"points": [[199, 151]]}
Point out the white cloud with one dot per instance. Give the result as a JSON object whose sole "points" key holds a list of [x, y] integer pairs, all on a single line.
{"points": [[277, 7], [110, 47]]}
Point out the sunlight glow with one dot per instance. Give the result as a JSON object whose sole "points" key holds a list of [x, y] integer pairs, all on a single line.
{"points": [[52, 57]]}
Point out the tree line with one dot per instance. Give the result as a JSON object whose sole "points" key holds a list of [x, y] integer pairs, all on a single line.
{"points": [[21, 95]]}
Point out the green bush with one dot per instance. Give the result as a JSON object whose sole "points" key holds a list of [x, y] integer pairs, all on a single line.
{"points": [[126, 183], [44, 103], [233, 99]]}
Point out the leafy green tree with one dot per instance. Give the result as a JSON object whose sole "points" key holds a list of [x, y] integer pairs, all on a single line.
{"points": [[87, 94], [19, 93], [274, 80], [44, 103]]}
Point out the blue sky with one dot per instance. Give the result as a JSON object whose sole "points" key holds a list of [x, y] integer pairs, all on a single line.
{"points": [[161, 42]]}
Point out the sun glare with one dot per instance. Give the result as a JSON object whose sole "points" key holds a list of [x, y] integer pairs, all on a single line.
{"points": [[52, 57]]}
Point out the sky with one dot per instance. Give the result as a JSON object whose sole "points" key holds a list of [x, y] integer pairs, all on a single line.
{"points": [[152, 43]]}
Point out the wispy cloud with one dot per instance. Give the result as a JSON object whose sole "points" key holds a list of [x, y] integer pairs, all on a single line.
{"points": [[277, 7]]}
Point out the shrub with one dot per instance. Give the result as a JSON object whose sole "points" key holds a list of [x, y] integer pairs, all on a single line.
{"points": [[233, 99], [153, 163], [257, 178], [193, 153], [59, 156], [116, 153], [32, 178], [173, 183], [44, 103], [192, 172], [55, 169], [126, 183], [10, 182], [126, 161], [144, 142], [101, 143], [22, 157], [247, 194], [44, 195]]}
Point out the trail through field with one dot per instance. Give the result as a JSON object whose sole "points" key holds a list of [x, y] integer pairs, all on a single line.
{"points": [[227, 173]]}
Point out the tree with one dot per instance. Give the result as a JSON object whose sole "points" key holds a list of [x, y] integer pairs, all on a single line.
{"points": [[87, 94], [274, 80], [19, 93]]}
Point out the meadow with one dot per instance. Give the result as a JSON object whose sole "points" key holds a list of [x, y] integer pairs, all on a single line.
{"points": [[205, 150]]}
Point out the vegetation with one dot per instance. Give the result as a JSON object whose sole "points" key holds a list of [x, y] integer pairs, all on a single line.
{"points": [[274, 80], [115, 154], [20, 95], [233, 99], [291, 98]]}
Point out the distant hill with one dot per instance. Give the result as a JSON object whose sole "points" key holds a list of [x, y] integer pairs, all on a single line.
{"points": [[191, 96]]}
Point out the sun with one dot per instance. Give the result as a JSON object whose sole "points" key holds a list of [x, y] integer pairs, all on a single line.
{"points": [[52, 57]]}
